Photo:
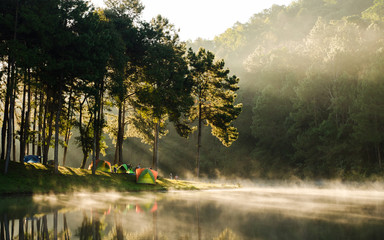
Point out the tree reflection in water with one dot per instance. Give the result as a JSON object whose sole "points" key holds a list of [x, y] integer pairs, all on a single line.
{"points": [[26, 228], [266, 214], [91, 228]]}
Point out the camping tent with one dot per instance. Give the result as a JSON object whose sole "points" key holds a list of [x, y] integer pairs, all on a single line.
{"points": [[146, 175], [32, 159], [101, 165], [122, 168], [130, 171]]}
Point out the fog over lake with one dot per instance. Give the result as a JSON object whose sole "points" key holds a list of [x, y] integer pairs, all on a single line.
{"points": [[263, 212]]}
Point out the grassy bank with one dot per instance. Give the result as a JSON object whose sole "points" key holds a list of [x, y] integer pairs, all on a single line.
{"points": [[37, 178]]}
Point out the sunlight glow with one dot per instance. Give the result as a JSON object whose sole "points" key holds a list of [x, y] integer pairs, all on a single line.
{"points": [[204, 18]]}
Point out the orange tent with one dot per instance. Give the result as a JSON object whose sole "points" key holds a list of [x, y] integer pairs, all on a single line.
{"points": [[146, 175], [101, 165]]}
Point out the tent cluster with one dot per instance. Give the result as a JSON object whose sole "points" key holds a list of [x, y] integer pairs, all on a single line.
{"points": [[123, 168], [143, 175], [32, 159]]}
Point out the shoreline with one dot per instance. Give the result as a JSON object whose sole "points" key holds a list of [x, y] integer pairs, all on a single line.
{"points": [[30, 179]]}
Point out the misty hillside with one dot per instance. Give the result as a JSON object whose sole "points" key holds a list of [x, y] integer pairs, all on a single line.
{"points": [[311, 77], [279, 26]]}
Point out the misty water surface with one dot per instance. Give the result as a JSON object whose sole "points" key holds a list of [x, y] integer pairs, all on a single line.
{"points": [[247, 213]]}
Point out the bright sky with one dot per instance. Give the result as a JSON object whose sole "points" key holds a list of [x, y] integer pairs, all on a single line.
{"points": [[204, 18]]}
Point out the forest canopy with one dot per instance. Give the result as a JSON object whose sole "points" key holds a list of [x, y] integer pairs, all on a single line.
{"points": [[102, 75]]}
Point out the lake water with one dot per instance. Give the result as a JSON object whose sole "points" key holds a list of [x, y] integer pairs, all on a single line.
{"points": [[246, 213]]}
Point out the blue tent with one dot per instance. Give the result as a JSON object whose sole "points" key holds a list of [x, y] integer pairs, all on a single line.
{"points": [[32, 159]]}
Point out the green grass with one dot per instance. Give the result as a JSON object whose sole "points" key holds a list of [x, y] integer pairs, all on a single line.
{"points": [[37, 178]]}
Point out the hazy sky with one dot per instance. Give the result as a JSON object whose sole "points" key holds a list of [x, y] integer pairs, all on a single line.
{"points": [[204, 18]]}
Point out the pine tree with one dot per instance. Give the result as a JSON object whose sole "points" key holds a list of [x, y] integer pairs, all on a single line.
{"points": [[215, 93]]}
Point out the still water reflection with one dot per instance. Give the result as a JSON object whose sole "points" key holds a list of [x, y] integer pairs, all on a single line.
{"points": [[253, 213]]}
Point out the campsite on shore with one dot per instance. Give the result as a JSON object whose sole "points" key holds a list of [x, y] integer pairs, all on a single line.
{"points": [[36, 178]]}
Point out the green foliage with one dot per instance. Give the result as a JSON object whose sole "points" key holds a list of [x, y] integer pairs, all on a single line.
{"points": [[130, 8], [375, 12], [215, 95], [164, 91]]}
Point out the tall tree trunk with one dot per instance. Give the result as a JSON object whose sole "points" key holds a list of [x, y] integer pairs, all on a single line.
{"points": [[11, 74], [43, 130], [47, 142], [6, 109], [57, 127], [41, 126], [22, 143], [10, 119], [100, 119], [155, 159], [82, 134], [96, 131], [94, 157], [198, 143], [28, 114], [84, 161], [34, 145], [68, 128], [95, 140], [99, 131], [66, 142], [117, 159], [13, 139], [120, 134]]}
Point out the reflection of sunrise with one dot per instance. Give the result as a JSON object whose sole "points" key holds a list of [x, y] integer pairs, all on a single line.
{"points": [[202, 18]]}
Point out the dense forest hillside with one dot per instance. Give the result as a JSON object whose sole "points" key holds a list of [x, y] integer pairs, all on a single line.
{"points": [[103, 84], [311, 87]]}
